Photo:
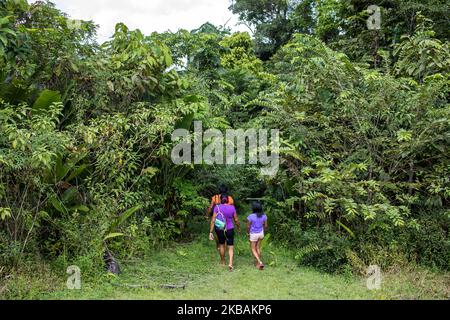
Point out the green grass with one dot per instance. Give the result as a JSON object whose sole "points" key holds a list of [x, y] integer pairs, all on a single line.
{"points": [[196, 265]]}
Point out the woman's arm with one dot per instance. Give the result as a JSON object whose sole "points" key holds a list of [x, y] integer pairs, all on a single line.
{"points": [[208, 210], [213, 219], [236, 220]]}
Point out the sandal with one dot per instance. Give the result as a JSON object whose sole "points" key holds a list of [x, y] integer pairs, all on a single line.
{"points": [[231, 268], [261, 266]]}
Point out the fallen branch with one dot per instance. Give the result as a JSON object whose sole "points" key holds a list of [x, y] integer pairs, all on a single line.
{"points": [[146, 286], [134, 286], [173, 286]]}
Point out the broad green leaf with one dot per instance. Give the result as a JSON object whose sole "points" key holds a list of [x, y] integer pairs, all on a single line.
{"points": [[124, 217], [81, 208], [113, 235], [77, 172], [3, 40], [46, 99], [346, 228], [57, 204], [69, 194]]}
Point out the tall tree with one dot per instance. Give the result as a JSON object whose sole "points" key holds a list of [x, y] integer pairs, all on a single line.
{"points": [[274, 21]]}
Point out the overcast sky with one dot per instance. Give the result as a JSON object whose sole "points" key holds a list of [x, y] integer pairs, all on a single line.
{"points": [[149, 15]]}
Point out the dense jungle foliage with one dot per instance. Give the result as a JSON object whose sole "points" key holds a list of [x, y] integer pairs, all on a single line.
{"points": [[364, 115]]}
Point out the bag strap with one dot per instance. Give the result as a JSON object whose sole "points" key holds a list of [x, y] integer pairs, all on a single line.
{"points": [[224, 219]]}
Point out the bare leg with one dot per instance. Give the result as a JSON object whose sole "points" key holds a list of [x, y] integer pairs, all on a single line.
{"points": [[230, 256], [258, 249], [217, 242], [255, 252], [222, 254], [251, 250]]}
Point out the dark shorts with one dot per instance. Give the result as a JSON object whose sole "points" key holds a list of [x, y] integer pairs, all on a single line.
{"points": [[227, 236]]}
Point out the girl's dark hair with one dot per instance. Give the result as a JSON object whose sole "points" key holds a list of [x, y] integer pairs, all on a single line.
{"points": [[257, 208]]}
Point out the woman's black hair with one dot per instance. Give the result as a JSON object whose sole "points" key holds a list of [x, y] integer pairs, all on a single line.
{"points": [[223, 189], [257, 208], [223, 198]]}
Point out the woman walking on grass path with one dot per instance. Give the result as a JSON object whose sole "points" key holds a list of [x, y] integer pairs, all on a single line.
{"points": [[222, 223], [215, 200], [256, 225]]}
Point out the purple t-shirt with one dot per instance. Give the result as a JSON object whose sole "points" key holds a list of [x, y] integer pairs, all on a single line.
{"points": [[228, 212], [257, 224]]}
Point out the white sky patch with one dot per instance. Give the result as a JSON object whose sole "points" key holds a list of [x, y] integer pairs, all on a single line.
{"points": [[150, 15]]}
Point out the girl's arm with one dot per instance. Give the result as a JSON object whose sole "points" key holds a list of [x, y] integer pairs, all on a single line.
{"points": [[266, 225], [249, 224]]}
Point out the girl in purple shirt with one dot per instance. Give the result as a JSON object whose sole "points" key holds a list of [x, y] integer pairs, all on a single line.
{"points": [[256, 225]]}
